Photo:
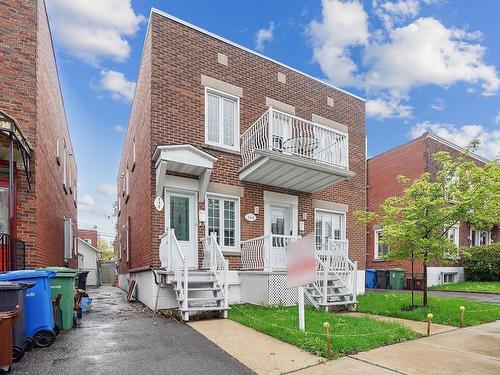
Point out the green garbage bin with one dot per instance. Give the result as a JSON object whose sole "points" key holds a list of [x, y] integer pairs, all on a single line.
{"points": [[396, 278], [64, 284]]}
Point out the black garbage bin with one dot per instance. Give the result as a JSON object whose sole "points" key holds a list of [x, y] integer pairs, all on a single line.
{"points": [[81, 280], [12, 295], [382, 279]]}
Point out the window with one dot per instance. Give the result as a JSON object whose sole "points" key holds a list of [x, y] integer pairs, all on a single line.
{"points": [[380, 250], [223, 215], [329, 225], [221, 119], [480, 237], [453, 235], [127, 183], [449, 278], [68, 239]]}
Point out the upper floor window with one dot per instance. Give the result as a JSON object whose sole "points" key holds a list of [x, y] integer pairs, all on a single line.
{"points": [[222, 121], [380, 250], [480, 237], [453, 235]]}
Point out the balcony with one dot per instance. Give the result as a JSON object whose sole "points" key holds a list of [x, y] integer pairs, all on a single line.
{"points": [[290, 152]]}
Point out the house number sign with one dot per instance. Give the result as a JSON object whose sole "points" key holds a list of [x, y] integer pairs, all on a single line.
{"points": [[159, 204], [250, 217]]}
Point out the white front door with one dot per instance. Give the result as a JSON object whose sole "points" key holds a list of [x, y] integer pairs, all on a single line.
{"points": [[281, 226], [181, 217]]}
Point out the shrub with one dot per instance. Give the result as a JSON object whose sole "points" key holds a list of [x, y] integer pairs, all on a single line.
{"points": [[482, 263]]}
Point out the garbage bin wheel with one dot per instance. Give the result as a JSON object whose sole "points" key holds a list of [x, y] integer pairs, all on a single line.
{"points": [[44, 338], [17, 353], [57, 330], [29, 344]]}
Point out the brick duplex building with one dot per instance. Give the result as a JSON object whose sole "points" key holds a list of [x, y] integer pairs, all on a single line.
{"points": [[411, 160], [245, 154], [38, 174]]}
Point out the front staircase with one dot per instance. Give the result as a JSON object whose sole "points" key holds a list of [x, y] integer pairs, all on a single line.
{"points": [[336, 278], [197, 291]]}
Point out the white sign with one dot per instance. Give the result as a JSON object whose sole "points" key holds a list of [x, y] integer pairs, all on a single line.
{"points": [[250, 217], [301, 262], [159, 204]]}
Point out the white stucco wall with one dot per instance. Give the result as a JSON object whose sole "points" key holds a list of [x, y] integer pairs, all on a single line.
{"points": [[435, 274], [87, 261]]}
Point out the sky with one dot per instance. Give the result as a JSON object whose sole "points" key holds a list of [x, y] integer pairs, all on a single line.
{"points": [[421, 65]]}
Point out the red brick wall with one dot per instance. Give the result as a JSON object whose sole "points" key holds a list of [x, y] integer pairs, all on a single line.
{"points": [[179, 56], [87, 234], [30, 93], [410, 160], [139, 204]]}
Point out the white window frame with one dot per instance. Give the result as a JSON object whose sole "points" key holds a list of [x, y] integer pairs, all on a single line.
{"points": [[341, 213], [221, 144], [376, 255], [127, 183], [457, 241], [68, 238], [226, 249], [478, 237]]}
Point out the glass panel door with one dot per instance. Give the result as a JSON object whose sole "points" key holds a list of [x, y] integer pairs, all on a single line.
{"points": [[4, 210], [280, 226], [179, 217]]}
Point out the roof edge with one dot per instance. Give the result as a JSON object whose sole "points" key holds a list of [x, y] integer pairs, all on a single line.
{"points": [[213, 35]]}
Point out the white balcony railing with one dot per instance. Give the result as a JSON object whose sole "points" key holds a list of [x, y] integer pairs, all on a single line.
{"points": [[287, 134], [266, 253]]}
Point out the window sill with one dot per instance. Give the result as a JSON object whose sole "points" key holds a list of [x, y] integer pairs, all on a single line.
{"points": [[231, 252], [222, 149]]}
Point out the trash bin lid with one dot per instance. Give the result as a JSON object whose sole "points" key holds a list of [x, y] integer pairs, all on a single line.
{"points": [[63, 271], [26, 274], [11, 285]]}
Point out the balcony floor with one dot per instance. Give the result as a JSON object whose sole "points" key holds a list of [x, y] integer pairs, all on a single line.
{"points": [[292, 172]]}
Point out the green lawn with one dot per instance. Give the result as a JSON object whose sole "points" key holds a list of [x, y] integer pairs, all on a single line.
{"points": [[445, 310], [349, 334], [470, 286]]}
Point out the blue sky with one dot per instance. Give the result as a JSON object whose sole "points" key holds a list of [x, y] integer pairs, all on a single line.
{"points": [[421, 64]]}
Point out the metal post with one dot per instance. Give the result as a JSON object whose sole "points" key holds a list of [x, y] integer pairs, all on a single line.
{"points": [[270, 131], [302, 323], [268, 247], [326, 271]]}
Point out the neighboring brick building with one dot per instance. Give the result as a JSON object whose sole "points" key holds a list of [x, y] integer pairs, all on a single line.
{"points": [[411, 160], [195, 138], [44, 173], [88, 235]]}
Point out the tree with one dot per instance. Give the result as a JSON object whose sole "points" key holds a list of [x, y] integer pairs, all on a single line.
{"points": [[415, 224], [106, 251]]}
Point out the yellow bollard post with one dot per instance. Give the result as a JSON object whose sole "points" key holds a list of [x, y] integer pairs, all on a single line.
{"points": [[429, 321], [462, 315], [326, 329]]}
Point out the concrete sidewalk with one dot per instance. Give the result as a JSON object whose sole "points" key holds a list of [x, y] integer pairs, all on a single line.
{"points": [[460, 351]]}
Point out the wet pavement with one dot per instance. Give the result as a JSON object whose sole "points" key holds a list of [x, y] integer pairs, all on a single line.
{"points": [[118, 337]]}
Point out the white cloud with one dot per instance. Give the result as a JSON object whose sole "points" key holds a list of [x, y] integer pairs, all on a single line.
{"points": [[489, 146], [86, 200], [384, 109], [404, 54], [497, 118], [117, 85], [94, 29], [107, 188], [437, 105], [425, 52], [119, 129], [343, 25], [263, 36]]}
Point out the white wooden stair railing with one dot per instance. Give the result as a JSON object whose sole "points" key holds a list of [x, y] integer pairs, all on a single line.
{"points": [[214, 260]]}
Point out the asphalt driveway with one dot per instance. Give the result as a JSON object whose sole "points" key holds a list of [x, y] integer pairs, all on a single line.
{"points": [[122, 338]]}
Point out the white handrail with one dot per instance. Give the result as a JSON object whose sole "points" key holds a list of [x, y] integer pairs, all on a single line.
{"points": [[266, 253], [289, 134], [177, 263], [217, 264]]}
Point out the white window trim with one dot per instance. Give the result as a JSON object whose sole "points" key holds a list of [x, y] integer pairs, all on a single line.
{"points": [[65, 166], [127, 183], [457, 242], [478, 236], [68, 238], [226, 249], [376, 255], [236, 146], [344, 220]]}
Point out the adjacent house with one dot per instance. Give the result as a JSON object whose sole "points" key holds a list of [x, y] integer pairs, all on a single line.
{"points": [[411, 160], [38, 174], [88, 260], [88, 235], [229, 157]]}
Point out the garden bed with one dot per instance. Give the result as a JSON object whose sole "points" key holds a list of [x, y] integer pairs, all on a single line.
{"points": [[445, 310], [349, 335]]}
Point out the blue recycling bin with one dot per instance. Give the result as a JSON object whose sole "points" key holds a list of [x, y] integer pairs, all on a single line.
{"points": [[38, 314], [370, 278]]}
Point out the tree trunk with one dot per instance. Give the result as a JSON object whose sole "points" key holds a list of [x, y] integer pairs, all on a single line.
{"points": [[425, 282]]}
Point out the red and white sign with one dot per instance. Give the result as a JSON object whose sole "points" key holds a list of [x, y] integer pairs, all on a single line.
{"points": [[301, 262]]}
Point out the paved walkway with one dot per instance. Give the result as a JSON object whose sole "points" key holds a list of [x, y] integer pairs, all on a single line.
{"points": [[122, 338], [449, 350]]}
